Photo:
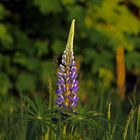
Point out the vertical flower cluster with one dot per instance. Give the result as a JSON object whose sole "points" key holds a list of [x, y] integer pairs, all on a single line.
{"points": [[67, 84]]}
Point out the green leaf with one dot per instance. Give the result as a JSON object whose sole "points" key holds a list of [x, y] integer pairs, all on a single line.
{"points": [[68, 2], [30, 63], [2, 11], [5, 37], [41, 47], [136, 2], [23, 43], [58, 46], [46, 71], [47, 6], [5, 83], [25, 82], [132, 60], [103, 59], [76, 12]]}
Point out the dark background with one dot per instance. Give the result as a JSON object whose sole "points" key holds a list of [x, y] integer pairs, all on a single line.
{"points": [[33, 35]]}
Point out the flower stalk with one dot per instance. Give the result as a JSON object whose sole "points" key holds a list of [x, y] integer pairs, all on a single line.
{"points": [[67, 84]]}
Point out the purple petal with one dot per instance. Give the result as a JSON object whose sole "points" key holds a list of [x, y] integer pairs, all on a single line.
{"points": [[76, 82], [69, 97], [61, 80], [64, 88], [74, 104], [60, 105], [59, 91], [65, 76], [72, 58], [65, 106], [74, 88], [74, 76], [62, 68], [75, 98], [73, 69], [59, 84], [60, 98], [64, 56], [60, 74], [64, 62], [72, 63], [58, 101]]}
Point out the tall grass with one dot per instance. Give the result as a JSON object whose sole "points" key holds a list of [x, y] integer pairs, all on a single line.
{"points": [[36, 119]]}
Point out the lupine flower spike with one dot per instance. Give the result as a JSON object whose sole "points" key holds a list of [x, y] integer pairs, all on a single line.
{"points": [[67, 84]]}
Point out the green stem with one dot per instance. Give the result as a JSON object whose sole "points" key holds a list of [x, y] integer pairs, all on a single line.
{"points": [[64, 130], [50, 94]]}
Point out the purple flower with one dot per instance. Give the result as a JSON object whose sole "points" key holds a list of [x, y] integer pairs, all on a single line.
{"points": [[67, 84]]}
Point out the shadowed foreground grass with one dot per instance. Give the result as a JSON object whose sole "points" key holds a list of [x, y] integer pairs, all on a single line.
{"points": [[37, 119]]}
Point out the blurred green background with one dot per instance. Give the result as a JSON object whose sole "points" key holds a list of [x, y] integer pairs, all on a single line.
{"points": [[33, 35]]}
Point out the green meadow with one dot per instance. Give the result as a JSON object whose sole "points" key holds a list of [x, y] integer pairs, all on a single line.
{"points": [[69, 70]]}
